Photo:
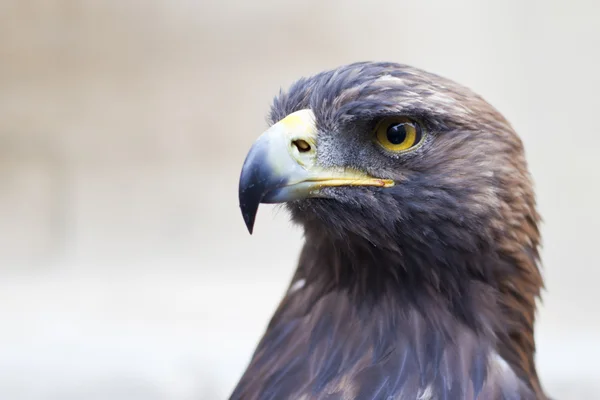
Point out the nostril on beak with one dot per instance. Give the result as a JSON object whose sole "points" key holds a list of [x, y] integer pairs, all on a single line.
{"points": [[301, 145]]}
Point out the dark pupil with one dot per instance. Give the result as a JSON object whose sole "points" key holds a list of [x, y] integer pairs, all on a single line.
{"points": [[396, 134]]}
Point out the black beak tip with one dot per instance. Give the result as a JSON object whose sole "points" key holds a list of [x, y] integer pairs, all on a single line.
{"points": [[250, 197], [256, 179], [249, 217]]}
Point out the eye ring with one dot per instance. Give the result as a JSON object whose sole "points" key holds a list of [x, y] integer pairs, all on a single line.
{"points": [[399, 134]]}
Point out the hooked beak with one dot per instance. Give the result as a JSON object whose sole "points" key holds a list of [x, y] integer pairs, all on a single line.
{"points": [[282, 166]]}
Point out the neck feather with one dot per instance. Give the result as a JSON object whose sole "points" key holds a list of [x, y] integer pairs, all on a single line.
{"points": [[361, 320], [491, 292]]}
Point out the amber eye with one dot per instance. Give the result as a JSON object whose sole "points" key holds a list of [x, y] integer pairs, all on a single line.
{"points": [[398, 134]]}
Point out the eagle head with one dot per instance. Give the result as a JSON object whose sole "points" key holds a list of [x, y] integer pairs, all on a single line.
{"points": [[415, 197]]}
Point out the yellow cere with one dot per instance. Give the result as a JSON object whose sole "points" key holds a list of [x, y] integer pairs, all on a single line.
{"points": [[299, 123]]}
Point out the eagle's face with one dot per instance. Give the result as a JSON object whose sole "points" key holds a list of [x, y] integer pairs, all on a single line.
{"points": [[391, 154]]}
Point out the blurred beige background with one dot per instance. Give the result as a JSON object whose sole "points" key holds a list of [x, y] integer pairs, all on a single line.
{"points": [[126, 271]]}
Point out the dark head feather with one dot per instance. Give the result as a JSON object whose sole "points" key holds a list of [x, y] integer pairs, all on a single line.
{"points": [[424, 289]]}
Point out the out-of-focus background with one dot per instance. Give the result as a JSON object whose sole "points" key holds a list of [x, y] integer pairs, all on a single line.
{"points": [[126, 271]]}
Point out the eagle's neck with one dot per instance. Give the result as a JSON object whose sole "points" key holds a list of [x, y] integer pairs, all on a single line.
{"points": [[360, 320]]}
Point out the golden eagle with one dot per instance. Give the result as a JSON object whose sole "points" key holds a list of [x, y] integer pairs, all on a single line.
{"points": [[420, 271]]}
